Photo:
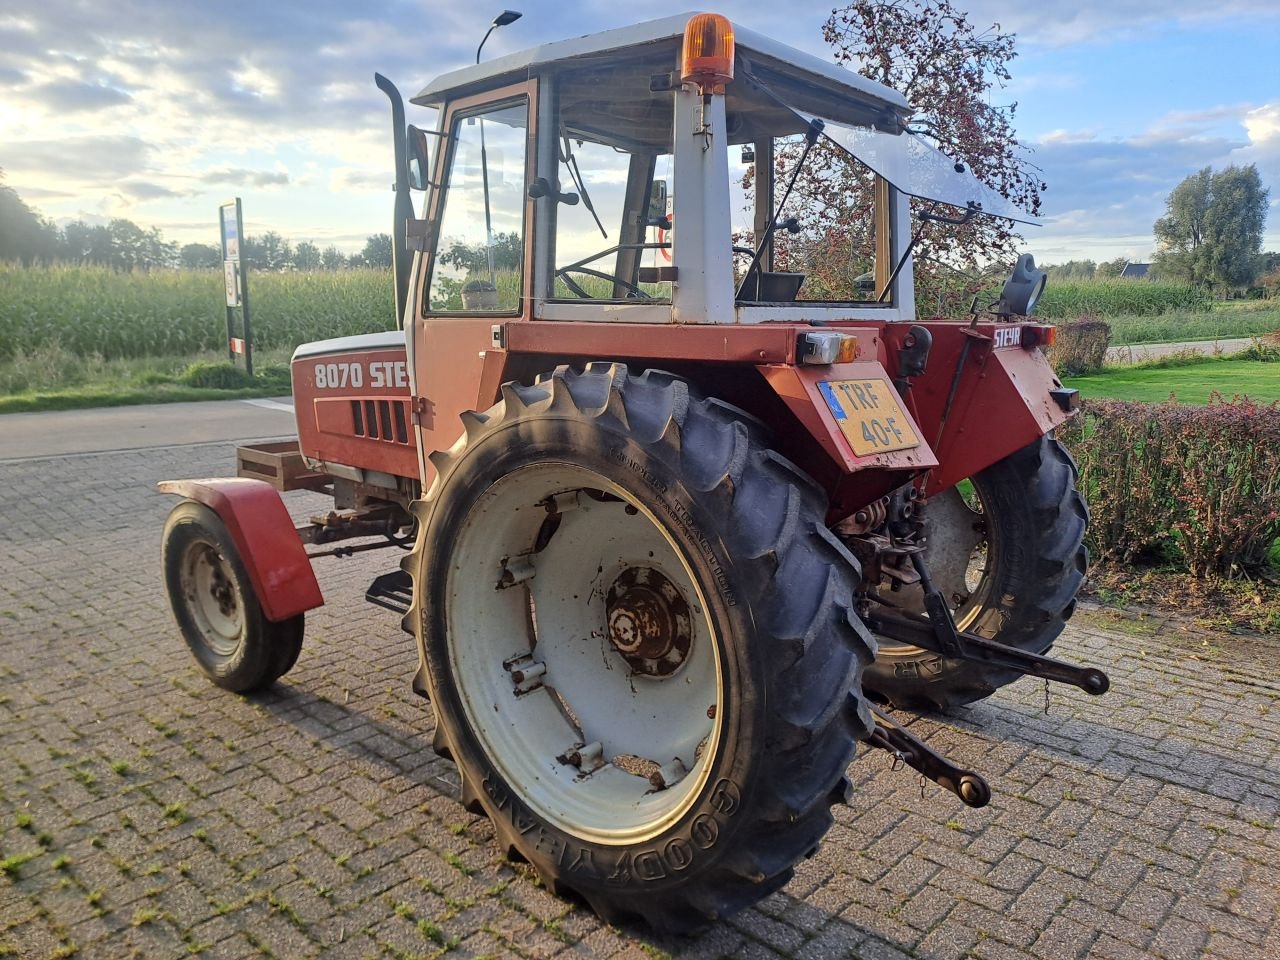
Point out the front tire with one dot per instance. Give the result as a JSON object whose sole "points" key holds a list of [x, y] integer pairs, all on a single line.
{"points": [[1011, 568], [217, 610], [639, 640]]}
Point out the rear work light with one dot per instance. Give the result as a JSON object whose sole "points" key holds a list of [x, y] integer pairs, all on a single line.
{"points": [[827, 347], [708, 53]]}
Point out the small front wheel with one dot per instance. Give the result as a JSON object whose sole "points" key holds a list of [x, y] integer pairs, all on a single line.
{"points": [[216, 607]]}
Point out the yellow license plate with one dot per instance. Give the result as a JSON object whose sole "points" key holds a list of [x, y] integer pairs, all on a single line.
{"points": [[869, 415]]}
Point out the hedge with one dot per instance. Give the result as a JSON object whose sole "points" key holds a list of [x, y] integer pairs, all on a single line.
{"points": [[1200, 482]]}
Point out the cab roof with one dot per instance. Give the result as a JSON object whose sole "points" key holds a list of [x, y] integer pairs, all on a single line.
{"points": [[756, 47]]}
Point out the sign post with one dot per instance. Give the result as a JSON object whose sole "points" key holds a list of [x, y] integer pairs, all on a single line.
{"points": [[236, 275]]}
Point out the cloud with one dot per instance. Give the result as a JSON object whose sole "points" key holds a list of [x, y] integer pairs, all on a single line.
{"points": [[1263, 124], [252, 178], [145, 190], [71, 96], [193, 98], [83, 159], [351, 180], [1067, 136], [1104, 194], [31, 194], [1057, 23]]}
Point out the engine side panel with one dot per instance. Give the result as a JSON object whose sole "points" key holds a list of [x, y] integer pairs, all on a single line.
{"points": [[354, 410]]}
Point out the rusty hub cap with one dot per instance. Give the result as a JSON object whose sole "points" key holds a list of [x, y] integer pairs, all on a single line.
{"points": [[649, 622]]}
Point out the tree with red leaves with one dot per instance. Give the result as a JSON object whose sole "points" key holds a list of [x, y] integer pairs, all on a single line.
{"points": [[930, 52]]}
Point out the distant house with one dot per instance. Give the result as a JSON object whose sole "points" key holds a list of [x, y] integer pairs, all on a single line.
{"points": [[1135, 271]]}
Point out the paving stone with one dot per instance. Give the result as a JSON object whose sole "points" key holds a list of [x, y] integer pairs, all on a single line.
{"points": [[1140, 824]]}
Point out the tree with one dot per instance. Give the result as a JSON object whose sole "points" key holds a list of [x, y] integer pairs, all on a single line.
{"points": [[133, 248], [83, 243], [1071, 270], [950, 71], [376, 252], [1111, 268], [306, 256], [24, 234], [1212, 228], [332, 259], [267, 252], [508, 254], [200, 255]]}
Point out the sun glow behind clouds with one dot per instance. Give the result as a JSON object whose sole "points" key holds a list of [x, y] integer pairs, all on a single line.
{"points": [[124, 107]]}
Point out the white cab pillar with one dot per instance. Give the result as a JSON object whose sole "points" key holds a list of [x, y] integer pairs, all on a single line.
{"points": [[702, 254]]}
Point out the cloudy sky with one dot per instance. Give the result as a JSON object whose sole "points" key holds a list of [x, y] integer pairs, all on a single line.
{"points": [[158, 111]]}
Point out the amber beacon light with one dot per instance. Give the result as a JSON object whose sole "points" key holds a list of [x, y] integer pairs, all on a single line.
{"points": [[708, 52]]}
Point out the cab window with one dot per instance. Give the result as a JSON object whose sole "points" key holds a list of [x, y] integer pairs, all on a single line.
{"points": [[479, 256], [614, 132]]}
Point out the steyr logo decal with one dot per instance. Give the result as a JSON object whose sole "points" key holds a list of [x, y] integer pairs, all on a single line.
{"points": [[341, 376], [1008, 337]]}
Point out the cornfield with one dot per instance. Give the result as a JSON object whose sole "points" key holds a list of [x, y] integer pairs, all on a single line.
{"points": [[95, 310], [1110, 298]]}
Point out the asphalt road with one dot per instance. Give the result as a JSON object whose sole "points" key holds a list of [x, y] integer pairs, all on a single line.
{"points": [[1152, 351], [65, 432], [146, 813]]}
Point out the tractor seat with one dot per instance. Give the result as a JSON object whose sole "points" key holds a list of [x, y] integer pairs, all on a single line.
{"points": [[772, 286]]}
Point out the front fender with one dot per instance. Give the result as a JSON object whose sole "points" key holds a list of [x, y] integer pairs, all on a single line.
{"points": [[264, 534]]}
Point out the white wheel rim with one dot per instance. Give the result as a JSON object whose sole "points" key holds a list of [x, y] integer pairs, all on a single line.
{"points": [[550, 615], [212, 598]]}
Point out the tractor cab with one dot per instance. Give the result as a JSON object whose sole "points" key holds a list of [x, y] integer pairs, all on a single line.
{"points": [[646, 175]]}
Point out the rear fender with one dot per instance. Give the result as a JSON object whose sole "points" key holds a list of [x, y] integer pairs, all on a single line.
{"points": [[1002, 400], [263, 532]]}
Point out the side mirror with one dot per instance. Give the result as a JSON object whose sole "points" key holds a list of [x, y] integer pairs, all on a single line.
{"points": [[418, 161]]}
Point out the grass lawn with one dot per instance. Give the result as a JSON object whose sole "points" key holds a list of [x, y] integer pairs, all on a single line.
{"points": [[1190, 384], [53, 378], [81, 398]]}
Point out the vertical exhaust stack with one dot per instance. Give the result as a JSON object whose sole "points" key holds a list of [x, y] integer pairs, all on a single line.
{"points": [[400, 257]]}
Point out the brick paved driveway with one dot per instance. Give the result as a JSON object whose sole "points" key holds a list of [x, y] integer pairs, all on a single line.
{"points": [[145, 812]]}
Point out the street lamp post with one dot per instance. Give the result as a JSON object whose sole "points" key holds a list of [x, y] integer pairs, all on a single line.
{"points": [[501, 20]]}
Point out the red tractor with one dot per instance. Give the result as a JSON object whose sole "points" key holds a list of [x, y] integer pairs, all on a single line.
{"points": [[678, 522]]}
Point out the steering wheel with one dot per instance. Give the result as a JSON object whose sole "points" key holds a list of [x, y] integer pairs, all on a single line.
{"points": [[563, 274]]}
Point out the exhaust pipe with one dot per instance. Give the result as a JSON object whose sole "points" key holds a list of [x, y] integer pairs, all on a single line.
{"points": [[400, 257]]}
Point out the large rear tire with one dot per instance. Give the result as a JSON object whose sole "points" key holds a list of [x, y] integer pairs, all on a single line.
{"points": [[216, 607], [639, 639], [1010, 556]]}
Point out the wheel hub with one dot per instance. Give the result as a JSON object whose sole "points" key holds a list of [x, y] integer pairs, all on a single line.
{"points": [[649, 622]]}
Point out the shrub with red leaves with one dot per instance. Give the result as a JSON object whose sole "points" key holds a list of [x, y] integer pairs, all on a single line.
{"points": [[1202, 480], [1080, 347]]}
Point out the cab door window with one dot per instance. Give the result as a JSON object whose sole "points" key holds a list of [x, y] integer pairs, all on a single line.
{"points": [[479, 260]]}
